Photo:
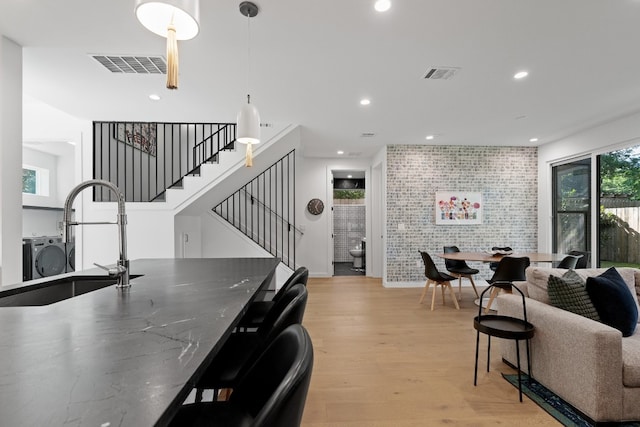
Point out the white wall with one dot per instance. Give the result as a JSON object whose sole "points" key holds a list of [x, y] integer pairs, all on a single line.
{"points": [[41, 222], [376, 255], [66, 176], [44, 124], [610, 136], [10, 162], [150, 231], [221, 240], [188, 240]]}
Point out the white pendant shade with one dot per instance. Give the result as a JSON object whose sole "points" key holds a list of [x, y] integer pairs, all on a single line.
{"points": [[248, 125], [157, 15]]}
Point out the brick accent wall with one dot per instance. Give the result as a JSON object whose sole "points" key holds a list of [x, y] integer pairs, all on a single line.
{"points": [[507, 177]]}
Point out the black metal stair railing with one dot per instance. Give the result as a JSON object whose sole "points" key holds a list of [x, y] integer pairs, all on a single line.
{"points": [[264, 210], [144, 159]]}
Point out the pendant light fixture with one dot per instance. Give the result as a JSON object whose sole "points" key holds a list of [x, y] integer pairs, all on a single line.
{"points": [[248, 119], [173, 19]]}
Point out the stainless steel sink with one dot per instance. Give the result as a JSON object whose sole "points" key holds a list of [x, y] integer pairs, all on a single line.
{"points": [[55, 290]]}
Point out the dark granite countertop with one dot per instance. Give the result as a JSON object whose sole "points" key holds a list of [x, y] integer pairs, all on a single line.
{"points": [[111, 359]]}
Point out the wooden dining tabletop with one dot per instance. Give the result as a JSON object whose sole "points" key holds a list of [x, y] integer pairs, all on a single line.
{"points": [[487, 257]]}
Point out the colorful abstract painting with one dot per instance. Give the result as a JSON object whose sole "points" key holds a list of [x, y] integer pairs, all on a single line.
{"points": [[458, 208]]}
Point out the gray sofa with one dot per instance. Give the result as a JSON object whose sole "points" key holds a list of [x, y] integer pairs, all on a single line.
{"points": [[587, 363]]}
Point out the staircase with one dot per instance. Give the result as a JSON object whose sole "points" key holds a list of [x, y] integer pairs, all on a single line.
{"points": [[190, 167], [144, 159], [264, 209]]}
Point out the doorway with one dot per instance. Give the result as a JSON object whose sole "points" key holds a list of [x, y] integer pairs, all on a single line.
{"points": [[349, 223]]}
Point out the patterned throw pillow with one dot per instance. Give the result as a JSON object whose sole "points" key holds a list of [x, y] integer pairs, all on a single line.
{"points": [[569, 293]]}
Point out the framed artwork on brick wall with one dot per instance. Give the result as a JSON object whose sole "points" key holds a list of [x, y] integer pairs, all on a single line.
{"points": [[458, 208]]}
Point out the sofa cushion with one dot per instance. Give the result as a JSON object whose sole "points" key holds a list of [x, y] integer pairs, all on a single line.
{"points": [[569, 293], [631, 361], [537, 282], [537, 278], [614, 301]]}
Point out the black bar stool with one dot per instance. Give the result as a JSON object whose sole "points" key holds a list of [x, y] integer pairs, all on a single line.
{"points": [[505, 327]]}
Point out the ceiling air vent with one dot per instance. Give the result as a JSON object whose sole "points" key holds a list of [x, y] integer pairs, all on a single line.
{"points": [[441, 73], [367, 135], [354, 153], [133, 64]]}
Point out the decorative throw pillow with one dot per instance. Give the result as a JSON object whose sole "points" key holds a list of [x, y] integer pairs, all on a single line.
{"points": [[569, 293], [613, 300]]}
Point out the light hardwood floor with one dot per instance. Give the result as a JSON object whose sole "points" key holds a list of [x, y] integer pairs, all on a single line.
{"points": [[382, 359]]}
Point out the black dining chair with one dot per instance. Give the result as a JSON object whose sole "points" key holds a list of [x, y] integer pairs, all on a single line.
{"points": [[494, 265], [583, 262], [270, 392], [437, 278], [241, 349], [257, 311], [569, 261], [460, 269], [510, 269]]}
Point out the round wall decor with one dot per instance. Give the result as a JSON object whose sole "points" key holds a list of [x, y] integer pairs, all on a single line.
{"points": [[315, 206]]}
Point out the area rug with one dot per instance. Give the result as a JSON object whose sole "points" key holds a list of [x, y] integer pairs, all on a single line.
{"points": [[554, 405]]}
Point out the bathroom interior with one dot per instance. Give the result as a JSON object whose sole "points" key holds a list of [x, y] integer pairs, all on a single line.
{"points": [[349, 223]]}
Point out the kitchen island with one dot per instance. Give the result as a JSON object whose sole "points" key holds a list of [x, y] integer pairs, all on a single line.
{"points": [[122, 358]]}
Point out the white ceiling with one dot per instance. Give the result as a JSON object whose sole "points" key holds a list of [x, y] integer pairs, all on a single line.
{"points": [[312, 61]]}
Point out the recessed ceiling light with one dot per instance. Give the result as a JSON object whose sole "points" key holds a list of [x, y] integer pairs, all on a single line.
{"points": [[154, 97], [533, 140], [340, 152], [349, 176], [429, 137], [365, 101], [520, 75], [382, 5]]}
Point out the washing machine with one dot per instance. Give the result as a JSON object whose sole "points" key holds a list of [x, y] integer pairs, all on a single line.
{"points": [[47, 256], [70, 250]]}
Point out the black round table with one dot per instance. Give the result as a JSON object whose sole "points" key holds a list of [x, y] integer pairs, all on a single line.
{"points": [[504, 327]]}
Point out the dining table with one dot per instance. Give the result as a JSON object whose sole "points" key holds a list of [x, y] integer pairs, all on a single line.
{"points": [[490, 256], [496, 257]]}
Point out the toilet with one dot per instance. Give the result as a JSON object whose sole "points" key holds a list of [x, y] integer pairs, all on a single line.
{"points": [[357, 253]]}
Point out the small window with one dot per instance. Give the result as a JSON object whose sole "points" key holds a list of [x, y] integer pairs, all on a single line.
{"points": [[35, 180]]}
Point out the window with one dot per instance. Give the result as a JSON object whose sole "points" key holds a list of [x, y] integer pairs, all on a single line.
{"points": [[619, 199], [35, 180], [572, 206]]}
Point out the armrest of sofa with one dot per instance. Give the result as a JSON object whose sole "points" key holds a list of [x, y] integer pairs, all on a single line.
{"points": [[577, 358]]}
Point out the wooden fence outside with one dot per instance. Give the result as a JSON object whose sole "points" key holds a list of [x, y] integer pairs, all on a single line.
{"points": [[621, 241]]}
